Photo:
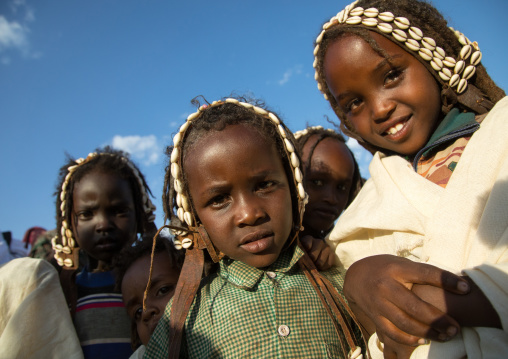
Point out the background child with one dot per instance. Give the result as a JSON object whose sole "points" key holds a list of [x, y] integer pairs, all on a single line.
{"points": [[102, 203], [133, 267], [246, 211], [406, 85], [331, 178]]}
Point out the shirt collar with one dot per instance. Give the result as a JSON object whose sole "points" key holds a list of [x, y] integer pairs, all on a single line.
{"points": [[453, 121], [245, 276]]}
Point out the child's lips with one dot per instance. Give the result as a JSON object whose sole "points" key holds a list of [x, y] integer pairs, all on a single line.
{"points": [[395, 127], [257, 241]]}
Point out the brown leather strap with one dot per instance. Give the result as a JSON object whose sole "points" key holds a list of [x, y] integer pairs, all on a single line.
{"points": [[332, 301], [70, 289], [185, 291], [205, 242]]}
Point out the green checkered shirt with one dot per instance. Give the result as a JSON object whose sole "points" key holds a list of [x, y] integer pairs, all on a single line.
{"points": [[242, 311]]}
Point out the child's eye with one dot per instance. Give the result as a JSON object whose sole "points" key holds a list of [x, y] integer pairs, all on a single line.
{"points": [[165, 290], [318, 182], [84, 215], [352, 105], [264, 185], [123, 210], [138, 313], [392, 76], [218, 201]]}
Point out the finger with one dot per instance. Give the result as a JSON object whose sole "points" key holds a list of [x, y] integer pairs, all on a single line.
{"points": [[392, 349], [307, 243]]}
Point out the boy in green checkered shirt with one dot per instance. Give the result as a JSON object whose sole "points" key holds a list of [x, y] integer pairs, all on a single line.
{"points": [[234, 187]]}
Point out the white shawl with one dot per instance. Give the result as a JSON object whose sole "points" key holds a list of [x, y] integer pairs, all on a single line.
{"points": [[462, 228]]}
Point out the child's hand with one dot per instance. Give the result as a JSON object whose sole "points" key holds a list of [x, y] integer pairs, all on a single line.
{"points": [[380, 286], [320, 253], [394, 350]]}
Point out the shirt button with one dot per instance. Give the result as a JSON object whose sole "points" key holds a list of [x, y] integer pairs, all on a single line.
{"points": [[271, 274], [283, 330]]}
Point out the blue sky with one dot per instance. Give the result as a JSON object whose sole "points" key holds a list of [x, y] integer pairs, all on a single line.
{"points": [[75, 75]]}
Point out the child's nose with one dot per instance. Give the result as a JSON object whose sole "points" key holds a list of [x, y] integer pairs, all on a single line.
{"points": [[248, 211], [382, 108], [150, 312], [104, 223]]}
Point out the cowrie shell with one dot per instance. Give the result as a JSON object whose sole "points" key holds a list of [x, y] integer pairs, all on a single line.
{"points": [[178, 186], [298, 175], [175, 154], [357, 11], [354, 20], [260, 111], [62, 208], [413, 44], [439, 53], [316, 75], [314, 64], [185, 203], [459, 66], [327, 25], [301, 191], [178, 244], [445, 74], [180, 212], [369, 21], [68, 233], [59, 260], [186, 242], [232, 100], [342, 16], [436, 64], [289, 145], [177, 138], [193, 116], [320, 87], [425, 54], [246, 105], [429, 43], [281, 131], [415, 33], [188, 218], [62, 194], [372, 12], [58, 247], [384, 27], [184, 127], [72, 243], [66, 250], [325, 96], [175, 170], [461, 87], [469, 72], [274, 118], [316, 49], [454, 80], [476, 57], [179, 200], [386, 16], [462, 40], [68, 262], [449, 61], [466, 51], [72, 168], [295, 162], [401, 22], [399, 35]]}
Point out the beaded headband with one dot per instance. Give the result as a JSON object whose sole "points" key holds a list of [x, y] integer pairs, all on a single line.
{"points": [[184, 211], [64, 252], [305, 131], [453, 72]]}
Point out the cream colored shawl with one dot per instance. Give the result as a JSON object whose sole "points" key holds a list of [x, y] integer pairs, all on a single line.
{"points": [[462, 228], [34, 320]]}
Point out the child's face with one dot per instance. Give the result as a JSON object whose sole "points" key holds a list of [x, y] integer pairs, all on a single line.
{"points": [[162, 288], [395, 107], [328, 182], [241, 194], [104, 216]]}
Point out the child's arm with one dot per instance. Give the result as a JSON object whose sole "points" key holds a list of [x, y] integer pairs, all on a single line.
{"points": [[320, 253], [379, 288]]}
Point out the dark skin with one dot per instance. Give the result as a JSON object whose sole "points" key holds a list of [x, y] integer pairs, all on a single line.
{"points": [[424, 302]]}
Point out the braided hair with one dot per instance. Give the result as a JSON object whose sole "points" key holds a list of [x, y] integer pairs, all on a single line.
{"points": [[422, 31], [105, 160]]}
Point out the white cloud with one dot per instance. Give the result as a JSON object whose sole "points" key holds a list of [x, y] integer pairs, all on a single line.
{"points": [[14, 33], [142, 148], [295, 70], [362, 156]]}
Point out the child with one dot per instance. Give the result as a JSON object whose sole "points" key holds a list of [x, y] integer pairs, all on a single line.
{"points": [[234, 186], [331, 177], [406, 85], [102, 203], [133, 267]]}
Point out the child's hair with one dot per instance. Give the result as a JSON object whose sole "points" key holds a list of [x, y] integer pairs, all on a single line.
{"points": [[106, 160], [303, 136], [421, 30], [178, 207], [141, 248]]}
